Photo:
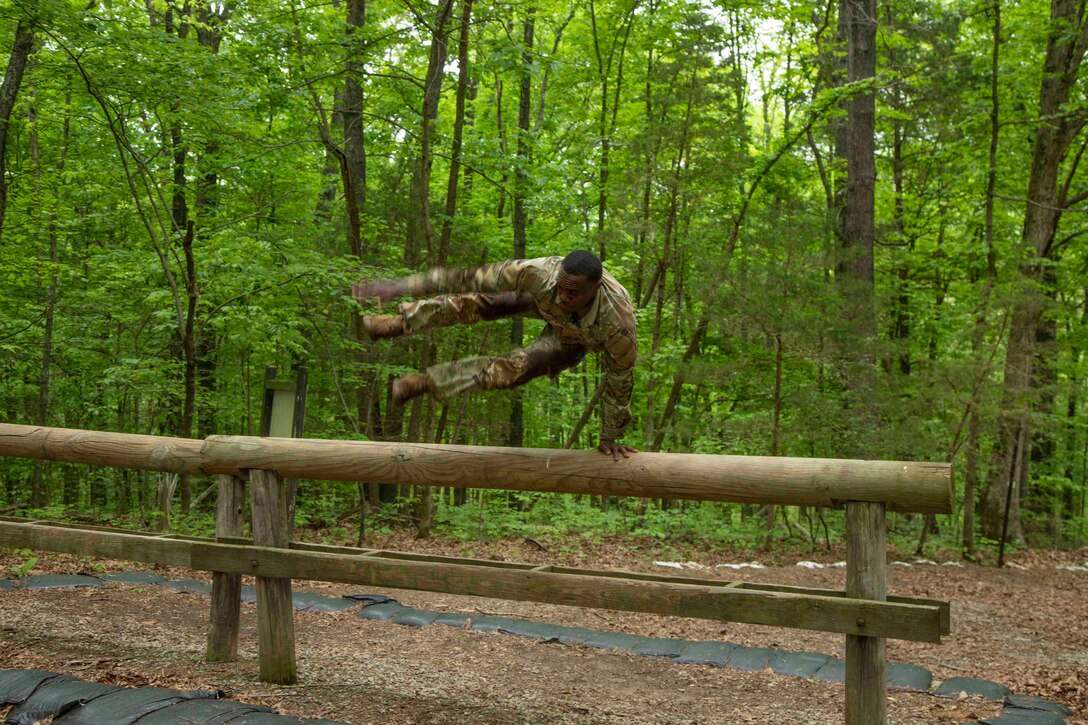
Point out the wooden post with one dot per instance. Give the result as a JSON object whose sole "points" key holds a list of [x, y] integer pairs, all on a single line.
{"points": [[298, 424], [283, 416], [275, 617], [225, 619], [866, 578]]}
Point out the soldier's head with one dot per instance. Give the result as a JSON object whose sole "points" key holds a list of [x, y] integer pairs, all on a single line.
{"points": [[579, 279]]}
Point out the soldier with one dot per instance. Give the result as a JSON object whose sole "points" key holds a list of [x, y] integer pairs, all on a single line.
{"points": [[584, 306]]}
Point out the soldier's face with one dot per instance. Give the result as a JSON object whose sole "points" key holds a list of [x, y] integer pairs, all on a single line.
{"points": [[575, 291]]}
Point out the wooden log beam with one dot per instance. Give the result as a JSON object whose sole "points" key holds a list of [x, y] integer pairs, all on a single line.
{"points": [[97, 541], [486, 565], [819, 610], [99, 448], [902, 485], [722, 602]]}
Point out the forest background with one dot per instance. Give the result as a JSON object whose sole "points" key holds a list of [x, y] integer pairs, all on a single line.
{"points": [[849, 229]]}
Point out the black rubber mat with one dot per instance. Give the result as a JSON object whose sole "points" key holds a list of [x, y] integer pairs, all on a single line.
{"points": [[56, 581], [52, 699], [124, 707], [17, 685], [203, 712], [751, 659], [911, 677], [41, 696], [953, 686], [706, 653], [797, 664], [133, 577], [1031, 702], [1018, 716]]}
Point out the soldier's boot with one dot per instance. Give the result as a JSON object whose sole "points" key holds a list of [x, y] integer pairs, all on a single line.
{"points": [[411, 386], [379, 327]]}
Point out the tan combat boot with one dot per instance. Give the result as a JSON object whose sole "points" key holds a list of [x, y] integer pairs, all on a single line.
{"points": [[378, 327], [411, 386]]}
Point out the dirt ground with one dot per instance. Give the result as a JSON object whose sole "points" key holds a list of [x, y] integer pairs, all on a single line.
{"points": [[1024, 626]]}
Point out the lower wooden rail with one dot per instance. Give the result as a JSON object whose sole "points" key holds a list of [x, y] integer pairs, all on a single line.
{"points": [[796, 607]]}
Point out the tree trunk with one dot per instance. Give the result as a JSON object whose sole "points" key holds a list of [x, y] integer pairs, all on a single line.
{"points": [[776, 428], [352, 117], [657, 288], [609, 108], [38, 493], [189, 347], [855, 270], [899, 333], [334, 151], [183, 232], [970, 478], [644, 232], [1072, 411], [516, 435], [458, 133], [420, 241], [9, 91], [352, 163], [1056, 130]]}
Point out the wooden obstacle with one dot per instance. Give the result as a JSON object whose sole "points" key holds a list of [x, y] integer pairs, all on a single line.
{"points": [[900, 485], [863, 612]]}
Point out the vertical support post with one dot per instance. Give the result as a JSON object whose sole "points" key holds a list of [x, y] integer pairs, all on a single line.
{"points": [[226, 611], [866, 578], [298, 423], [283, 416], [275, 616]]}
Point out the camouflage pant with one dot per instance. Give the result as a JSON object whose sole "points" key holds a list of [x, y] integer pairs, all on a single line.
{"points": [[546, 355]]}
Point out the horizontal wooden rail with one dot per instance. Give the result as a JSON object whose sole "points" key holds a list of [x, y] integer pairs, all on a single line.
{"points": [[820, 610], [901, 485], [485, 565]]}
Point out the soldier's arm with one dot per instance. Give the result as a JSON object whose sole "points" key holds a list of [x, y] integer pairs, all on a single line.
{"points": [[620, 355]]}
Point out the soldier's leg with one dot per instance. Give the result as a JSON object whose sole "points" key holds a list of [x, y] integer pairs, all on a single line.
{"points": [[451, 378], [463, 309], [545, 356]]}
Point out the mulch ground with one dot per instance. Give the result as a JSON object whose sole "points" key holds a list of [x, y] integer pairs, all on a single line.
{"points": [[1024, 626]]}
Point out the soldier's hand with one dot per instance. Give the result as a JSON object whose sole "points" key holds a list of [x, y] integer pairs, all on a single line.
{"points": [[381, 290], [614, 449]]}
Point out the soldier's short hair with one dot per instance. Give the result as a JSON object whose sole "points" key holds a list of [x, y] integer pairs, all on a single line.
{"points": [[583, 264]]}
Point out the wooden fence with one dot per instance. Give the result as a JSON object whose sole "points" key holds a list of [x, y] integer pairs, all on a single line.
{"points": [[863, 612]]}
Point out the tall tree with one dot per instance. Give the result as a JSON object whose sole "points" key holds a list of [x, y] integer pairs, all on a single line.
{"points": [[46, 218], [419, 245], [457, 146], [608, 52], [521, 196], [352, 116], [1048, 196], [974, 424], [9, 90], [856, 274], [206, 22]]}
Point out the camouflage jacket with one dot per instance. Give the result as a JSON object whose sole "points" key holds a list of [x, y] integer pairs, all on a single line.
{"points": [[608, 327]]}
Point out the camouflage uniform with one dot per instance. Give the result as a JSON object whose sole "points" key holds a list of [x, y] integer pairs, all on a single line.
{"points": [[528, 287]]}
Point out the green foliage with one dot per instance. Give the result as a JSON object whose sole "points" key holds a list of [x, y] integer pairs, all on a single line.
{"points": [[555, 518], [695, 147], [24, 568], [195, 523]]}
